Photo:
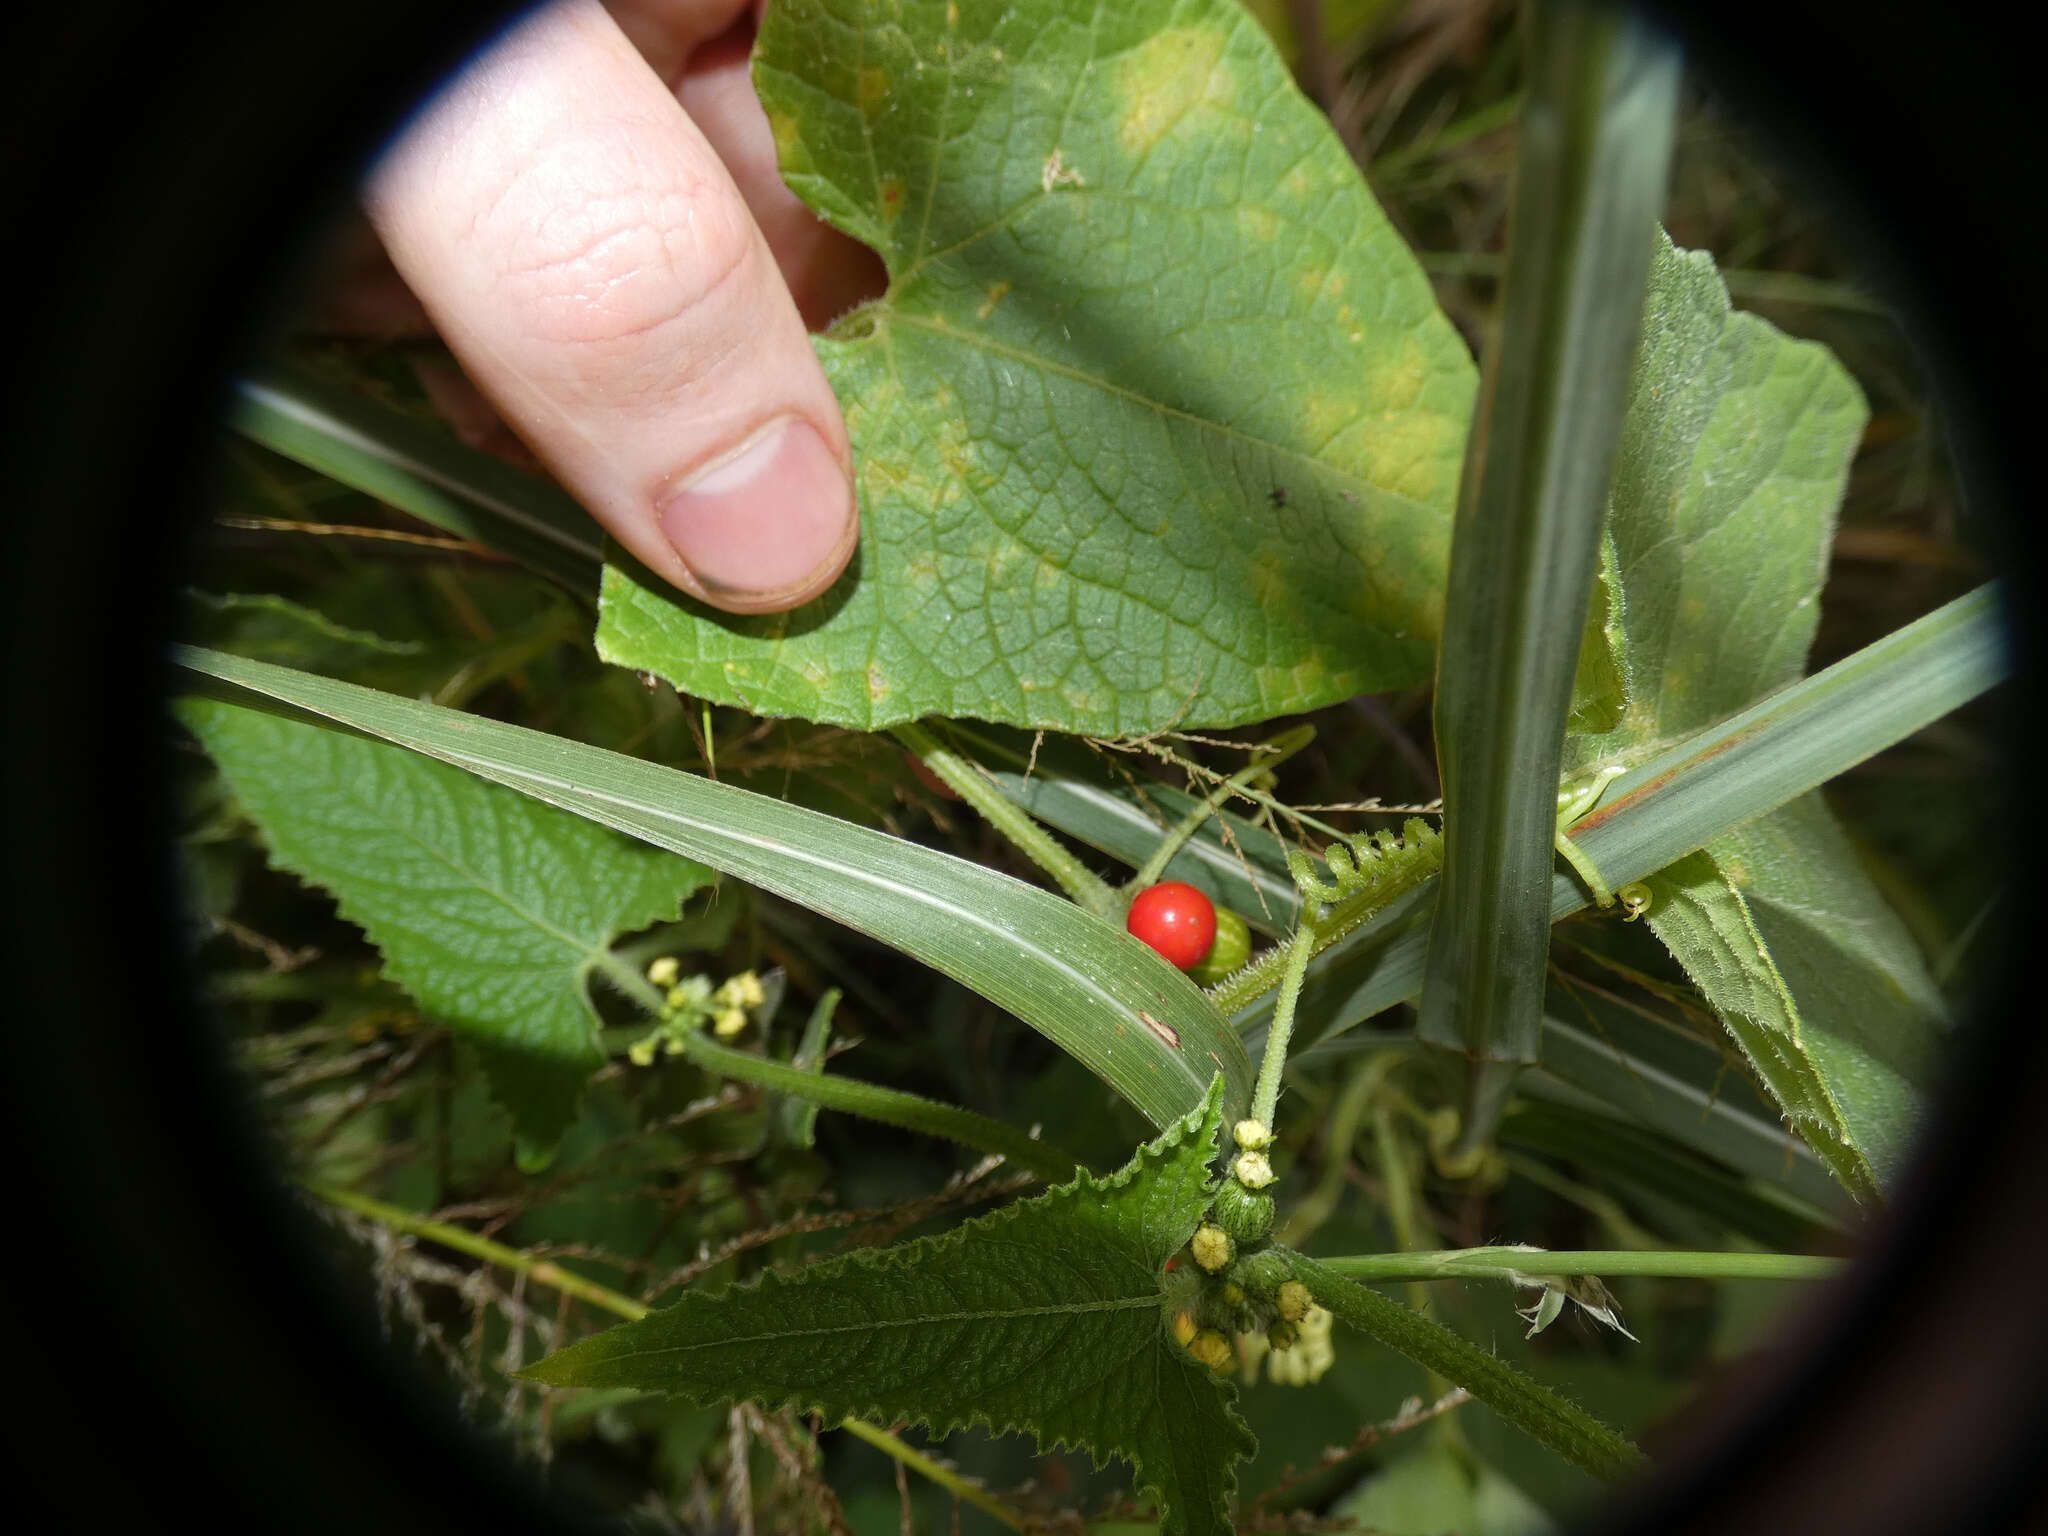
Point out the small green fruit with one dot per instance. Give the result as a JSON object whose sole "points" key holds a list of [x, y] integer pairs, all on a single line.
{"points": [[1262, 1273], [1247, 1215], [1232, 948]]}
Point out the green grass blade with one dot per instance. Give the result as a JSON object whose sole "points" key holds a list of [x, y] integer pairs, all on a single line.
{"points": [[1596, 143], [1773, 752], [1502, 1263], [1778, 749], [1133, 1020], [1770, 1197], [1796, 739], [407, 464]]}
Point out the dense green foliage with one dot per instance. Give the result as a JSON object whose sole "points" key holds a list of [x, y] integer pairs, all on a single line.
{"points": [[1158, 427]]}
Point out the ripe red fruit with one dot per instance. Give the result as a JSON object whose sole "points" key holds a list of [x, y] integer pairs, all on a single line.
{"points": [[1175, 919]]}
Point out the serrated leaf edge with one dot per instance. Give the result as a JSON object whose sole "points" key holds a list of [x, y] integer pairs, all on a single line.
{"points": [[1204, 1120]]}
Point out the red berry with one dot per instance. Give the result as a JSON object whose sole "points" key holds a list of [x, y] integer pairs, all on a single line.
{"points": [[1175, 919]]}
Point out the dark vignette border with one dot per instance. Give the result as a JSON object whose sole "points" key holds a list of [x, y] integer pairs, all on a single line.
{"points": [[161, 1313]]}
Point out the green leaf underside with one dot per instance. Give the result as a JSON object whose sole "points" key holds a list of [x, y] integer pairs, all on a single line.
{"points": [[1873, 1019], [1044, 1316], [1108, 1000], [1703, 920], [1733, 457], [489, 908], [1158, 422]]}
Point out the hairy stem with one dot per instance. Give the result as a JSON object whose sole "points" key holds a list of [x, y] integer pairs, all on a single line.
{"points": [[1029, 838], [1339, 920], [1267, 1094], [1530, 1406], [891, 1106], [947, 1479]]}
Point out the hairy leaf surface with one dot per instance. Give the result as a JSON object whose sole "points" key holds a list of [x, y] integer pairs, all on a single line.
{"points": [[1045, 1316], [490, 908], [1158, 420], [1733, 457]]}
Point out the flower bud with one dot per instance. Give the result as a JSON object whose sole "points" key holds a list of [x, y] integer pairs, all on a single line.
{"points": [[1293, 1301], [1212, 1247], [663, 972], [1283, 1334], [1252, 1170], [1252, 1135], [1214, 1351]]}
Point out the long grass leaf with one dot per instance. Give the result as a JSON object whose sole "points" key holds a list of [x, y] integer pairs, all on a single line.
{"points": [[1133, 1020], [1596, 143]]}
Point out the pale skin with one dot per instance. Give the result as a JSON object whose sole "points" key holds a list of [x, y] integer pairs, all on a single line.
{"points": [[591, 217]]}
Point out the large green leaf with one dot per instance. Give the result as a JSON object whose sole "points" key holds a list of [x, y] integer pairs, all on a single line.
{"points": [[1158, 421], [490, 909], [1045, 1316], [1733, 455], [1871, 1018], [1701, 915], [1732, 463], [1096, 992]]}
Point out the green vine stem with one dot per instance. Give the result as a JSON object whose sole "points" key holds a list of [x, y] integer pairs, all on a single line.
{"points": [[1397, 1180], [1360, 1088], [1271, 755], [547, 1272], [1506, 1263], [1530, 1406], [945, 1477], [1029, 838], [891, 1106], [1266, 1096], [540, 1271], [848, 1094]]}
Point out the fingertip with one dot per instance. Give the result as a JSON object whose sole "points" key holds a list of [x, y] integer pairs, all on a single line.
{"points": [[766, 527]]}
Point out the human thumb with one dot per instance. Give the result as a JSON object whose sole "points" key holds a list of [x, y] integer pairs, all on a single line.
{"points": [[586, 256]]}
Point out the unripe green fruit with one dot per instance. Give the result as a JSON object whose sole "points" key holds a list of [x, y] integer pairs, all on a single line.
{"points": [[1247, 1215], [1262, 1273], [1232, 948]]}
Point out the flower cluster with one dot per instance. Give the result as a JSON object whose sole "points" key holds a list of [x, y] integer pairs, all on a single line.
{"points": [[1235, 1298], [691, 1002]]}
